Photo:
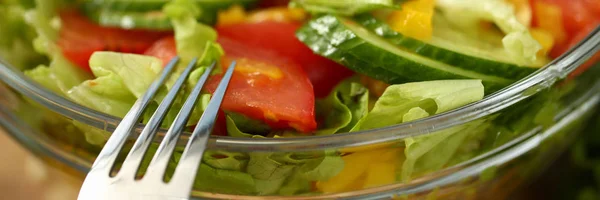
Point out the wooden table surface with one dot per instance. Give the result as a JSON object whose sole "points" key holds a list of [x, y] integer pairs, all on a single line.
{"points": [[24, 176]]}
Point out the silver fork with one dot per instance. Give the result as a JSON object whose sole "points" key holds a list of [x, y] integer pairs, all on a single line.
{"points": [[99, 184]]}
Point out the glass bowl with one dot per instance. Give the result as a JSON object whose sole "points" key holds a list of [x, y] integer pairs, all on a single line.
{"points": [[504, 140]]}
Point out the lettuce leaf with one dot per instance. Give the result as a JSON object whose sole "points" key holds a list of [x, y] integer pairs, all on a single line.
{"points": [[341, 110], [292, 173], [467, 14], [432, 97], [412, 101], [16, 36], [343, 7], [112, 92], [431, 152], [61, 75], [239, 125]]}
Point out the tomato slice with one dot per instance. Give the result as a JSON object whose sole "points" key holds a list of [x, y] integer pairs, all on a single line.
{"points": [[164, 49], [575, 40], [79, 38], [265, 86], [280, 37]]}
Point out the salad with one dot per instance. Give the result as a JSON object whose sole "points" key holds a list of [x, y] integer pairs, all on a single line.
{"points": [[304, 68]]}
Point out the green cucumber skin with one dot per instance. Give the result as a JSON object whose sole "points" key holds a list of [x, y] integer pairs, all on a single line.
{"points": [[321, 45], [481, 65], [329, 37], [138, 20], [112, 12], [150, 5]]}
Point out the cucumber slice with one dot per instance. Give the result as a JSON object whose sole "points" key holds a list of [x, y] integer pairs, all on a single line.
{"points": [[482, 53], [154, 20], [316, 41], [359, 49], [152, 5]]}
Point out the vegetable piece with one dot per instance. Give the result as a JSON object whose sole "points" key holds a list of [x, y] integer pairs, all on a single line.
{"points": [[549, 17], [414, 19], [342, 7], [576, 14], [267, 87], [277, 14], [467, 14], [112, 91], [16, 36], [147, 14], [353, 46], [481, 52], [431, 152], [236, 15], [163, 49], [153, 20], [341, 110], [144, 68], [569, 22], [545, 39], [433, 97], [279, 37], [363, 169], [79, 38], [61, 74], [523, 11], [233, 15], [128, 5]]}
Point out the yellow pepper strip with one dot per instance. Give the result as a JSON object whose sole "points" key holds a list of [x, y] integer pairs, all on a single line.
{"points": [[522, 11], [414, 19], [382, 170], [278, 14], [549, 17], [545, 39], [234, 15], [364, 169], [350, 177]]}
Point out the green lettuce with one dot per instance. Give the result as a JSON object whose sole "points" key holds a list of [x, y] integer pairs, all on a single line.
{"points": [[347, 103], [112, 92], [399, 103], [467, 14], [291, 173], [343, 7], [433, 151], [279, 173], [412, 101], [60, 75], [16, 36]]}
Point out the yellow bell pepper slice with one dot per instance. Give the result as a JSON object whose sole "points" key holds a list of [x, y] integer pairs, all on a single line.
{"points": [[348, 178], [414, 19], [278, 14], [234, 15], [365, 168], [545, 39]]}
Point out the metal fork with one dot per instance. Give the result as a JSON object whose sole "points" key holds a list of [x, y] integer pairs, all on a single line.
{"points": [[99, 184]]}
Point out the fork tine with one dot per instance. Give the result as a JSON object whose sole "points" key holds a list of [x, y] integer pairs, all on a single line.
{"points": [[158, 164], [185, 172], [106, 159], [134, 158]]}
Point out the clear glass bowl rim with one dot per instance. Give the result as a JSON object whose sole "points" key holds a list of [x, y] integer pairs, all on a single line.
{"points": [[539, 80]]}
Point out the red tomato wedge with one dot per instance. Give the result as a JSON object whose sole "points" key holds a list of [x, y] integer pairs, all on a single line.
{"points": [[164, 49], [264, 86], [280, 37], [267, 87], [79, 38]]}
